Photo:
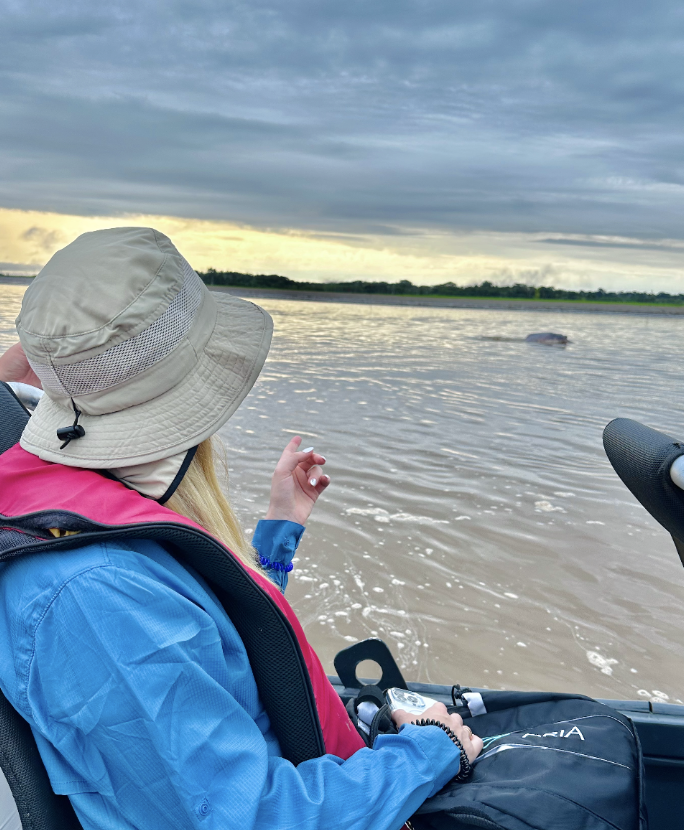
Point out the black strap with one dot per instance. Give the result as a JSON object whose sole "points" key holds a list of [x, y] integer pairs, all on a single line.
{"points": [[13, 417], [171, 489], [382, 723], [38, 806]]}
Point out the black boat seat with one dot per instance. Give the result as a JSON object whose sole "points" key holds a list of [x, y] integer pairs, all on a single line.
{"points": [[644, 459], [27, 801]]}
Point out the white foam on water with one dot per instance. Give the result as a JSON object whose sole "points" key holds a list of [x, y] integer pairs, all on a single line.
{"points": [[605, 664], [654, 696], [462, 454], [421, 520], [482, 587], [385, 517], [544, 506]]}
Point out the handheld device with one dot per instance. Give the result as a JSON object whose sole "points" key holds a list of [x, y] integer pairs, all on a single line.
{"points": [[410, 702]]}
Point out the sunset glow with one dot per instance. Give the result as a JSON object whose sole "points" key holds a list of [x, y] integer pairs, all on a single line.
{"points": [[29, 238]]}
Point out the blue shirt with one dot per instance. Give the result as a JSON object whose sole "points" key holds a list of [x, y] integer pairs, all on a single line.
{"points": [[146, 713]]}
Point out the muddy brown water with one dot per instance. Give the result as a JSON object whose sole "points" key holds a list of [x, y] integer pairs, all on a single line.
{"points": [[473, 520]]}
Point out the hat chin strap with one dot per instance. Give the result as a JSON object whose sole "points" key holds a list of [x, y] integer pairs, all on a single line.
{"points": [[189, 455], [156, 480]]}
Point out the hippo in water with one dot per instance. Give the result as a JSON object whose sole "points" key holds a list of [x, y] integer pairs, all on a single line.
{"points": [[547, 338]]}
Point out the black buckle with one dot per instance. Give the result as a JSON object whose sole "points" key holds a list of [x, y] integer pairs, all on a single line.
{"points": [[73, 432]]}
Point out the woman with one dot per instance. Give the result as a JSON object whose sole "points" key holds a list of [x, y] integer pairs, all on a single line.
{"points": [[132, 674]]}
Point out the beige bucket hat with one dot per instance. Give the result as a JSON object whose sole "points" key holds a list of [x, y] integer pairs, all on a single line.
{"points": [[119, 327]]}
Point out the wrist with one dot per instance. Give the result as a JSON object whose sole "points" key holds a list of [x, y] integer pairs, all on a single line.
{"points": [[276, 514], [465, 767]]}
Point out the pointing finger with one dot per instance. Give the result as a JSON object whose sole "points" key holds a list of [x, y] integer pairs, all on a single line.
{"points": [[290, 457]]}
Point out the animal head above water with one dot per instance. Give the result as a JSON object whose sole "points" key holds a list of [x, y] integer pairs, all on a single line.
{"points": [[547, 338]]}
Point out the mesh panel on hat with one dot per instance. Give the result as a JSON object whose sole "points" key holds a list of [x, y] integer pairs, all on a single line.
{"points": [[126, 360]]}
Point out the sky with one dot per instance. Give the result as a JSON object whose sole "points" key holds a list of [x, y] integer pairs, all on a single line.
{"points": [[432, 140]]}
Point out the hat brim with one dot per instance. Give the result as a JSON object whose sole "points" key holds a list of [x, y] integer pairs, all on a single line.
{"points": [[181, 418]]}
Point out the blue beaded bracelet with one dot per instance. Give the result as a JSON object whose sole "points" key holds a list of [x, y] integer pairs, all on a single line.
{"points": [[276, 566]]}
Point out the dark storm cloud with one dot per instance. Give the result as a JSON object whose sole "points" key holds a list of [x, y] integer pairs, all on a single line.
{"points": [[356, 116]]}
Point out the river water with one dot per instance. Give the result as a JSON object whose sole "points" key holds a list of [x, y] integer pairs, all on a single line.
{"points": [[473, 520]]}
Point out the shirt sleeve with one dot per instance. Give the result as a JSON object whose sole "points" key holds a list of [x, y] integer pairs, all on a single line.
{"points": [[276, 542], [132, 685]]}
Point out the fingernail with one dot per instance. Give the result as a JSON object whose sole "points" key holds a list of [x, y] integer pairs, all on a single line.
{"points": [[312, 481], [308, 449]]}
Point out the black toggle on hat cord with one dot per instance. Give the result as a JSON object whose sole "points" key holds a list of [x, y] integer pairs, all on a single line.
{"points": [[73, 432]]}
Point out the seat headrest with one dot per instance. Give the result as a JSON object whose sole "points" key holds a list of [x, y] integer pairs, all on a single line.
{"points": [[642, 457], [13, 417]]}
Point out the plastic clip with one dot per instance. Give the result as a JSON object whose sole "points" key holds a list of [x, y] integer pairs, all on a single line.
{"points": [[73, 432]]}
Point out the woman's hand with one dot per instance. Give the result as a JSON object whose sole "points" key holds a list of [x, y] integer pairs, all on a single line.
{"points": [[14, 366], [297, 482], [438, 711]]}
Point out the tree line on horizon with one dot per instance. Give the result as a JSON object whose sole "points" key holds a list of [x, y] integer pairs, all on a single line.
{"points": [[447, 289], [518, 291]]}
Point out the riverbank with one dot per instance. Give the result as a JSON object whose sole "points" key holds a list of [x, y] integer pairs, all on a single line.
{"points": [[504, 304], [5, 280]]}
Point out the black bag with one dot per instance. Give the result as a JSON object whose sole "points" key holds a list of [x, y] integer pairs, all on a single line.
{"points": [[550, 762]]}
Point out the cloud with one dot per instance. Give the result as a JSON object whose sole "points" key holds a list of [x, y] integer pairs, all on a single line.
{"points": [[385, 118], [43, 238], [627, 244]]}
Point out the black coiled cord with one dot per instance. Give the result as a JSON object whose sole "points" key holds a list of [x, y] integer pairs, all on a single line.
{"points": [[465, 767]]}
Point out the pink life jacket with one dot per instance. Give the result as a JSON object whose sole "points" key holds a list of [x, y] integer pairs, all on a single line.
{"points": [[76, 497]]}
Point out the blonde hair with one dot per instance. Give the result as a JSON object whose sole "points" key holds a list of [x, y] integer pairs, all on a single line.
{"points": [[199, 497]]}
